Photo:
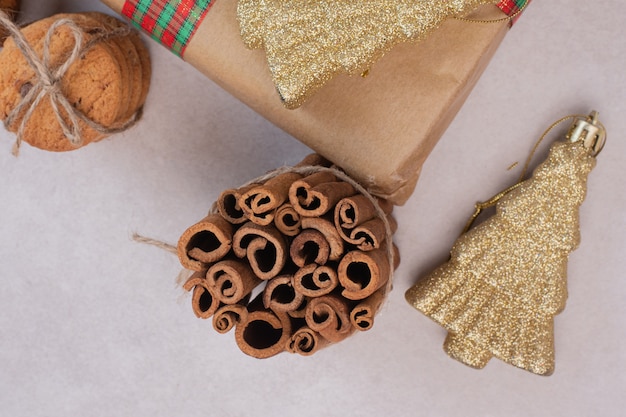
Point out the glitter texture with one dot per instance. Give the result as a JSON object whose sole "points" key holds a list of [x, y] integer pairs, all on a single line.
{"points": [[506, 278], [308, 42]]}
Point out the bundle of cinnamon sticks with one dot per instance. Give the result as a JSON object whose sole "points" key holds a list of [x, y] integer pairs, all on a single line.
{"points": [[293, 262]]}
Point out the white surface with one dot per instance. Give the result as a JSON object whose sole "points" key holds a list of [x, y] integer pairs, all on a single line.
{"points": [[93, 323]]}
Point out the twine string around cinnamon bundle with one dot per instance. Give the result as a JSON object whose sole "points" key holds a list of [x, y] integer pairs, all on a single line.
{"points": [[304, 170], [48, 82], [317, 286]]}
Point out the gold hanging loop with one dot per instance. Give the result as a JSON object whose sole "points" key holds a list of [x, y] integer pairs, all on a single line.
{"points": [[585, 129]]}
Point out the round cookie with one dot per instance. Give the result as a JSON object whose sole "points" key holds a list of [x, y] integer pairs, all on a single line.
{"points": [[142, 54], [10, 7], [97, 28], [94, 84], [131, 58], [146, 65]]}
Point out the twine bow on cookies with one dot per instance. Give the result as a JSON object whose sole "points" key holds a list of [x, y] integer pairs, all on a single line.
{"points": [[48, 82]]}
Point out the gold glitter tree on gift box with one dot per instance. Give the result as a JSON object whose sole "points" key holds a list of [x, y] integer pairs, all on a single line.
{"points": [[307, 43], [506, 278]]}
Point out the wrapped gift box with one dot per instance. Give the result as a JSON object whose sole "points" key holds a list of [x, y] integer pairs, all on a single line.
{"points": [[379, 128]]}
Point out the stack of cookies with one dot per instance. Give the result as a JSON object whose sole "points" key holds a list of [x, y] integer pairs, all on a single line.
{"points": [[107, 84], [10, 7]]}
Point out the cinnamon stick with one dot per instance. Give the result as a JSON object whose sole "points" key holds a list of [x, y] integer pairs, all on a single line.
{"points": [[314, 280], [204, 301], [358, 223], [280, 296], [310, 246], [264, 247], [330, 233], [316, 194], [228, 204], [287, 220], [205, 242], [232, 280], [362, 273], [306, 342], [195, 279], [367, 236], [263, 334], [228, 316], [330, 316], [362, 316], [357, 209], [260, 202], [299, 312], [370, 234]]}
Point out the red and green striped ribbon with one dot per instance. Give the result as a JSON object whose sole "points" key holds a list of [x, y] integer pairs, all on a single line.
{"points": [[512, 7], [170, 22]]}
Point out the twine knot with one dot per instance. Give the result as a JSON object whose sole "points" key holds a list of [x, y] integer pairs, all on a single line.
{"points": [[51, 85]]}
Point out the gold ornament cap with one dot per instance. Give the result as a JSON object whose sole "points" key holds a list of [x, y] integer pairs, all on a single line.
{"points": [[589, 131]]}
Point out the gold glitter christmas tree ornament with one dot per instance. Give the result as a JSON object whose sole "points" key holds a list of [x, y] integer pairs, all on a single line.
{"points": [[506, 278], [308, 42]]}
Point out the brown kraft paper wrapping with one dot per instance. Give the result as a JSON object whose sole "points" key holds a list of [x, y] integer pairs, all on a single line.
{"points": [[379, 129]]}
